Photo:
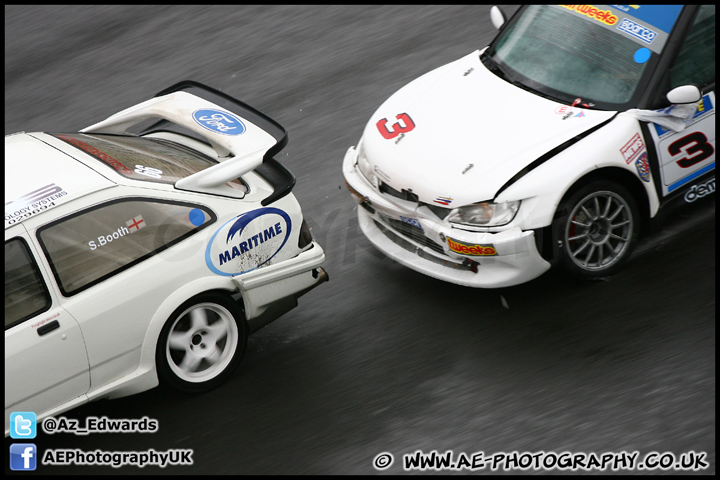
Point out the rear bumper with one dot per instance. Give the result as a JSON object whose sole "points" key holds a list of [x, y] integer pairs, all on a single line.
{"points": [[270, 291], [433, 247]]}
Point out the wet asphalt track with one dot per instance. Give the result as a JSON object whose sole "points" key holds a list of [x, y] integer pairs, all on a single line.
{"points": [[381, 359]]}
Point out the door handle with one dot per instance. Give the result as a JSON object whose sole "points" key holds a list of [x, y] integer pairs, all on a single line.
{"points": [[48, 327]]}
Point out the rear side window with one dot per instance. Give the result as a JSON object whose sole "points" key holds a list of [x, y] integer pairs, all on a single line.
{"points": [[97, 243], [25, 292]]}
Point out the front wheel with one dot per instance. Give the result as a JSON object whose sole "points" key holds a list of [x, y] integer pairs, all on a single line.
{"points": [[596, 228], [201, 343]]}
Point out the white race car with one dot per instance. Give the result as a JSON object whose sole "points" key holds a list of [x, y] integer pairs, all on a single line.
{"points": [[576, 126], [137, 258]]}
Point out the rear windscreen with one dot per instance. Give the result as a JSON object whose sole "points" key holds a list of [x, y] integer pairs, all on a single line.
{"points": [[142, 158]]}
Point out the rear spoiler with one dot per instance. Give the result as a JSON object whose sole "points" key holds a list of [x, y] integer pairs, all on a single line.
{"points": [[242, 137]]}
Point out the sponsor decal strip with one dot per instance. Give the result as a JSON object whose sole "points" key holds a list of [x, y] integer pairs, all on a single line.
{"points": [[604, 16], [691, 177], [117, 165], [701, 190], [473, 250], [32, 203], [632, 148], [38, 194], [636, 30]]}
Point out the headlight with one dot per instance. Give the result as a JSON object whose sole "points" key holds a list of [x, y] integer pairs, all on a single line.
{"points": [[363, 163], [485, 214]]}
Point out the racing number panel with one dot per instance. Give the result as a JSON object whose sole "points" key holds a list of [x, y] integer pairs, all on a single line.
{"points": [[679, 159]]}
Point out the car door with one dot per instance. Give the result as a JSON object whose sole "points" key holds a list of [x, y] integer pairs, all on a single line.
{"points": [[46, 364], [688, 155]]}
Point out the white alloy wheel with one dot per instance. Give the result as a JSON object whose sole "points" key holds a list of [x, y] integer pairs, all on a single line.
{"points": [[201, 343]]}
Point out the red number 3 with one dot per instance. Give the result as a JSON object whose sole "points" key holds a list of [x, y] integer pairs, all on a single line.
{"points": [[397, 128], [696, 149]]}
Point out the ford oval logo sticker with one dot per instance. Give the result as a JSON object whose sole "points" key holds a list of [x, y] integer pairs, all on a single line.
{"points": [[218, 121], [248, 241]]}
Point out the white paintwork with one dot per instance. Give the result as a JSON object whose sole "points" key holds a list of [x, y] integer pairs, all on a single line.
{"points": [[105, 346], [542, 189], [44, 371], [36, 167], [461, 119], [460, 135]]}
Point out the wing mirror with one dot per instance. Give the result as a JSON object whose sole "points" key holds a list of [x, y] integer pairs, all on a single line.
{"points": [[684, 94], [496, 17]]}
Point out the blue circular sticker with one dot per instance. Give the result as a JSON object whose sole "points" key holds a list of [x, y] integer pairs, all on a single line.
{"points": [[218, 121], [197, 217], [642, 55]]}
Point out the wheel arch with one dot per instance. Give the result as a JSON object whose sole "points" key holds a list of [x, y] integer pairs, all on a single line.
{"points": [[545, 237], [222, 286], [617, 175], [609, 176]]}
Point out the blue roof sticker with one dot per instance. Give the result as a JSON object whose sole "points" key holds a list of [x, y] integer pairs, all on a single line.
{"points": [[662, 17], [642, 55]]}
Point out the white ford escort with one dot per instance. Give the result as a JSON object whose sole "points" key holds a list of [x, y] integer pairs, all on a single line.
{"points": [[576, 126], [137, 258]]}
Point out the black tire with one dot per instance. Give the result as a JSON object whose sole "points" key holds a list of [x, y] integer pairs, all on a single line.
{"points": [[201, 343], [596, 229]]}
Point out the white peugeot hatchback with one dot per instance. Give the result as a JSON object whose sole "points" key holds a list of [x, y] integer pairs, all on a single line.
{"points": [[576, 126], [137, 258]]}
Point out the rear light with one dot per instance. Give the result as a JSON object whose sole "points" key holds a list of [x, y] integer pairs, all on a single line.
{"points": [[305, 237]]}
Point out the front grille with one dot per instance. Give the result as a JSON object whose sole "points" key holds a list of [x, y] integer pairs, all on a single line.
{"points": [[408, 196], [400, 241], [412, 232], [404, 195]]}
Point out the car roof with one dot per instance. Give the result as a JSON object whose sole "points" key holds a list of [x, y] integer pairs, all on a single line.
{"points": [[38, 174]]}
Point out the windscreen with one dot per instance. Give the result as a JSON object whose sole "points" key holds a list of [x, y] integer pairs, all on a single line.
{"points": [[598, 53]]}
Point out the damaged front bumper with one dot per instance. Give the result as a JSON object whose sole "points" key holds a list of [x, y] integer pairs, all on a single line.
{"points": [[414, 236]]}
